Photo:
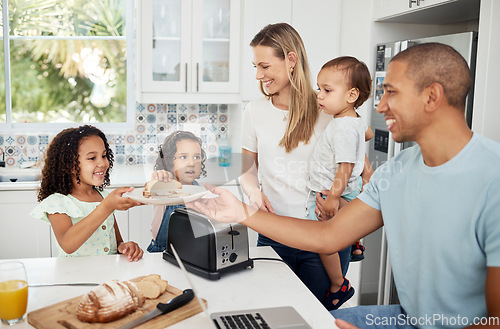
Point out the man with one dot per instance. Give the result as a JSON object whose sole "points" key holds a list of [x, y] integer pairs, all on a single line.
{"points": [[439, 202]]}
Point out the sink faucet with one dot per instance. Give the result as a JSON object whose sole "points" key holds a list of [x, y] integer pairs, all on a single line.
{"points": [[2, 163]]}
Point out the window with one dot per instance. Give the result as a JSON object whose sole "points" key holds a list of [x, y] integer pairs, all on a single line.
{"points": [[65, 61]]}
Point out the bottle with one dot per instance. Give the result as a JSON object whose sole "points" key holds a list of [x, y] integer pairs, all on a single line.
{"points": [[224, 150]]}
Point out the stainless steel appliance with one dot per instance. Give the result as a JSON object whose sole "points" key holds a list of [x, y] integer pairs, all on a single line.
{"points": [[207, 248], [382, 147]]}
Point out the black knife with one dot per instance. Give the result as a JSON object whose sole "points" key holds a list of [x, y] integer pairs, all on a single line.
{"points": [[162, 308]]}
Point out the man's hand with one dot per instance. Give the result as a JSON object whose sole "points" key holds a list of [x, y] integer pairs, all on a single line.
{"points": [[344, 324], [225, 208]]}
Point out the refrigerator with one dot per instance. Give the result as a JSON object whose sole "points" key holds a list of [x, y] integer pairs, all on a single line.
{"points": [[382, 147]]}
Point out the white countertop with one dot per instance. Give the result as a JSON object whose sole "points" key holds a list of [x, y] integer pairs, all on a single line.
{"points": [[269, 283]]}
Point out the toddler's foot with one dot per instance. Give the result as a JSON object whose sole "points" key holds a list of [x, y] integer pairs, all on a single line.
{"points": [[357, 252], [334, 300]]}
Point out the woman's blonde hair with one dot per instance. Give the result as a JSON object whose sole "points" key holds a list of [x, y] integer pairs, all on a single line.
{"points": [[303, 107]]}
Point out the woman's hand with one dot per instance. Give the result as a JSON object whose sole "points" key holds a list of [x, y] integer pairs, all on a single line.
{"points": [[130, 249], [259, 200], [163, 175]]}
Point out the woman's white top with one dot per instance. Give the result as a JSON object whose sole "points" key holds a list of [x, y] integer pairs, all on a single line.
{"points": [[283, 175]]}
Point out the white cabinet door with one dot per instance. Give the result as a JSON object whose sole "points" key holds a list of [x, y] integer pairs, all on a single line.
{"points": [[139, 221], [215, 47], [188, 50], [22, 236], [386, 9], [164, 44]]}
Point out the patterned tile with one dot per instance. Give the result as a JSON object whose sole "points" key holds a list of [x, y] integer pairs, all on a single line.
{"points": [[120, 149], [171, 108], [152, 123], [32, 140], [140, 108]]}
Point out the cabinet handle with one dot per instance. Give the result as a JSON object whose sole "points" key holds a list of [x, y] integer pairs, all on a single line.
{"points": [[186, 80], [197, 76], [410, 2]]}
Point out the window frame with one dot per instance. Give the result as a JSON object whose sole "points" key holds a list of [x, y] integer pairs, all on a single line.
{"points": [[14, 127]]}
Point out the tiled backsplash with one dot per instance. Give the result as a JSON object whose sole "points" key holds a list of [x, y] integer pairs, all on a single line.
{"points": [[153, 122]]}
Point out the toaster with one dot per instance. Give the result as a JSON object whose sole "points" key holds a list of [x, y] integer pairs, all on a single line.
{"points": [[207, 248]]}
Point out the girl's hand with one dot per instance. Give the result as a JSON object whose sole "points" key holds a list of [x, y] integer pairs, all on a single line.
{"points": [[131, 249], [162, 175], [116, 201], [260, 201]]}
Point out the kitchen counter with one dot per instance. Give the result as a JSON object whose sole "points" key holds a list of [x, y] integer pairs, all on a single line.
{"points": [[269, 283], [138, 175]]}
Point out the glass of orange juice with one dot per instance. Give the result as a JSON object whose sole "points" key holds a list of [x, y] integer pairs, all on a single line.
{"points": [[13, 292]]}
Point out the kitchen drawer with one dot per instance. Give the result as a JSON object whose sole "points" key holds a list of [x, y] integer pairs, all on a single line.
{"points": [[21, 235]]}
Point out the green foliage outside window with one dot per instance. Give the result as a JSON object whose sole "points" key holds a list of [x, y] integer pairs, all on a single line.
{"points": [[68, 61]]}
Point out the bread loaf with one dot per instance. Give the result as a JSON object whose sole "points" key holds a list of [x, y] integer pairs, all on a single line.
{"points": [[113, 300], [109, 301], [172, 189]]}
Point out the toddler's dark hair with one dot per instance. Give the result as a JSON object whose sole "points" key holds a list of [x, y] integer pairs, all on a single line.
{"points": [[356, 74], [165, 160], [61, 160]]}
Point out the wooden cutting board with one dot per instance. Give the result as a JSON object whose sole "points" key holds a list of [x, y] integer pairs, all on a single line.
{"points": [[63, 315]]}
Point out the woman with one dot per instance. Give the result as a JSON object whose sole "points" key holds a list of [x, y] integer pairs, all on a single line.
{"points": [[279, 133]]}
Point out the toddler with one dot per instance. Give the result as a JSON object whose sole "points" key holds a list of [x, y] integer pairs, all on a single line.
{"points": [[339, 156]]}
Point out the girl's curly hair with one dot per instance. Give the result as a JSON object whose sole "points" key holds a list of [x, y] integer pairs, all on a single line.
{"points": [[165, 160], [61, 161]]}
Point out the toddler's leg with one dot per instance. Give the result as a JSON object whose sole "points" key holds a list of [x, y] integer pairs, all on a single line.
{"points": [[334, 271]]}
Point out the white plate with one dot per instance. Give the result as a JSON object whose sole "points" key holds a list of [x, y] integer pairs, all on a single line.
{"points": [[189, 193]]}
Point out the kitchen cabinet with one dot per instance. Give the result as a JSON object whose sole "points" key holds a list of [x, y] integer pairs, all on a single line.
{"points": [[22, 236], [321, 38], [425, 11], [139, 223], [188, 51]]}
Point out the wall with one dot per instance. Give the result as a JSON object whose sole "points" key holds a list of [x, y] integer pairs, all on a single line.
{"points": [[152, 123]]}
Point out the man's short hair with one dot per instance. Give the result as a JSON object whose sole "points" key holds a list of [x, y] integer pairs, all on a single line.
{"points": [[436, 62]]}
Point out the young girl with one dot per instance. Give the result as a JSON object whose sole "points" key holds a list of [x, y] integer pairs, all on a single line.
{"points": [[73, 200], [181, 157], [338, 159]]}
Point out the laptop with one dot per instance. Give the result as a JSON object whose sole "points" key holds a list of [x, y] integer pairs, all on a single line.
{"points": [[285, 317]]}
